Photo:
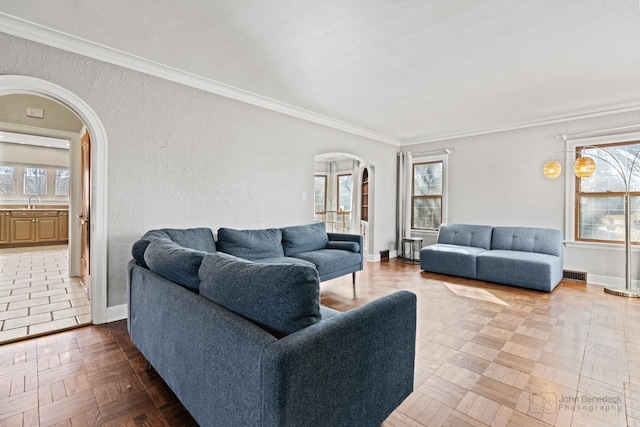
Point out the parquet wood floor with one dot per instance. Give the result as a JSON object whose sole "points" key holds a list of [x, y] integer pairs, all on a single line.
{"points": [[487, 355]]}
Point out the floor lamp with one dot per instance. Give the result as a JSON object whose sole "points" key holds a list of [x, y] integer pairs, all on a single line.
{"points": [[584, 167]]}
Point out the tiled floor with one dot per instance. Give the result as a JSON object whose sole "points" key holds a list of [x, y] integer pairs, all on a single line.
{"points": [[36, 293]]}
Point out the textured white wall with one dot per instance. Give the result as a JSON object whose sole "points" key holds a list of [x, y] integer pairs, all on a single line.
{"points": [[497, 179], [181, 157]]}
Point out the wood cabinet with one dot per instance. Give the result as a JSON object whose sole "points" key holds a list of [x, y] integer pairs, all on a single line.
{"points": [[4, 227], [63, 225], [364, 202], [25, 227]]}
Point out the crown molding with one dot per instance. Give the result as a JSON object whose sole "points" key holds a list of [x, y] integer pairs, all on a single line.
{"points": [[28, 30], [560, 118]]}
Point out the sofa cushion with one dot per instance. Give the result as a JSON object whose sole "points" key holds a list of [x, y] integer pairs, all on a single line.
{"points": [[174, 262], [478, 236], [285, 260], [331, 260], [527, 239], [531, 270], [251, 244], [450, 259], [281, 298], [345, 246], [304, 238], [200, 239]]}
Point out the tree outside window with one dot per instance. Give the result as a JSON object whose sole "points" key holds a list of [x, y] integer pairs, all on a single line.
{"points": [[6, 180], [62, 182], [344, 193], [35, 181], [320, 194], [426, 196], [600, 197]]}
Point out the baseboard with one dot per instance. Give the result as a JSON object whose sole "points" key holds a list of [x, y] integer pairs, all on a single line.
{"points": [[614, 282], [372, 258], [393, 254], [117, 312]]}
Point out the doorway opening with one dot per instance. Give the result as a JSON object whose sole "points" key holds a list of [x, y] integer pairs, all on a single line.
{"points": [[343, 196], [91, 218]]}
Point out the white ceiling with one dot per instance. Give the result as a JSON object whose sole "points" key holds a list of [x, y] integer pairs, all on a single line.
{"points": [[405, 70]]}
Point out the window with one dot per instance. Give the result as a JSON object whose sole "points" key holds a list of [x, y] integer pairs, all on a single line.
{"points": [[344, 193], [320, 193], [62, 182], [6, 179], [426, 195], [35, 181], [600, 197]]}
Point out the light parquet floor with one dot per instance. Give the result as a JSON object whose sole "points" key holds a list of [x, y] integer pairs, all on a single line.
{"points": [[487, 355]]}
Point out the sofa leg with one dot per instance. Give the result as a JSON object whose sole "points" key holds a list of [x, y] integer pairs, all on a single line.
{"points": [[353, 278]]}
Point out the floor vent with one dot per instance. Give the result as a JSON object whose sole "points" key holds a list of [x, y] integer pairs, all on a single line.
{"points": [[578, 276]]}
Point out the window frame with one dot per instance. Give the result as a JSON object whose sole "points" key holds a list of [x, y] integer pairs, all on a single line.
{"points": [[579, 194], [571, 221], [24, 180], [418, 162], [338, 192], [324, 176]]}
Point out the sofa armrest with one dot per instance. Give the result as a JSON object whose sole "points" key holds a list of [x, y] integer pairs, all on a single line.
{"points": [[343, 237], [352, 369]]}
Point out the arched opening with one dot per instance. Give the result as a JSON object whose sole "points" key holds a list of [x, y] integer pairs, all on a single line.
{"points": [[337, 174], [10, 85]]}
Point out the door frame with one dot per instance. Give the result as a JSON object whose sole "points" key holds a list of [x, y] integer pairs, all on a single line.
{"points": [[15, 84]]}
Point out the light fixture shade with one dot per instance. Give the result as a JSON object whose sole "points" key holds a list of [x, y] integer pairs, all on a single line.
{"points": [[552, 169], [584, 167]]}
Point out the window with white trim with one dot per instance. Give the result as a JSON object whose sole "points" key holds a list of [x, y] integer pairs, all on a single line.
{"points": [[427, 195]]}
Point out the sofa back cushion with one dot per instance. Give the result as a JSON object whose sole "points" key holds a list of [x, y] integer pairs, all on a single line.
{"points": [[174, 262], [478, 236], [200, 239], [251, 244], [304, 238], [527, 239], [281, 298]]}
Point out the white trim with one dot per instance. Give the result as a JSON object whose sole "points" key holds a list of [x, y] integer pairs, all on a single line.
{"points": [[560, 118], [393, 254], [372, 257], [570, 181], [10, 84], [444, 158], [31, 31], [116, 312], [58, 39], [615, 282]]}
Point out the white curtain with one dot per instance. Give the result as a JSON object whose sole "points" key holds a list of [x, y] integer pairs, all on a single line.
{"points": [[403, 226]]}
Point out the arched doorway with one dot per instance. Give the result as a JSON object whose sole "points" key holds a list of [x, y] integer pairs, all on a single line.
{"points": [[10, 84], [339, 169]]}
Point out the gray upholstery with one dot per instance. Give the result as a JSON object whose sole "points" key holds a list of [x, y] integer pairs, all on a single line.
{"points": [[478, 236], [304, 238], [285, 260], [281, 298], [527, 239], [174, 262], [519, 256], [345, 246], [531, 270], [251, 244], [349, 369], [450, 259], [200, 239], [330, 260]]}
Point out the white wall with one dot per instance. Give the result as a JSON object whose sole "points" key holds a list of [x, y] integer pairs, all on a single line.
{"points": [[181, 157], [497, 179]]}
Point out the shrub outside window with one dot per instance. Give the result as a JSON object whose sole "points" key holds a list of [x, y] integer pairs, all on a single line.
{"points": [[62, 182]]}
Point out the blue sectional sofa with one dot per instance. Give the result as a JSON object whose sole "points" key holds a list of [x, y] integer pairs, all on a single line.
{"points": [[332, 254], [246, 343], [520, 256]]}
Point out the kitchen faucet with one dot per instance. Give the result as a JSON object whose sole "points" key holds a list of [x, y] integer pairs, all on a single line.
{"points": [[29, 202]]}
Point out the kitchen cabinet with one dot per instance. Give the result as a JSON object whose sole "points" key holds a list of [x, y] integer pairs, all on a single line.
{"points": [[35, 226], [4, 227]]}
